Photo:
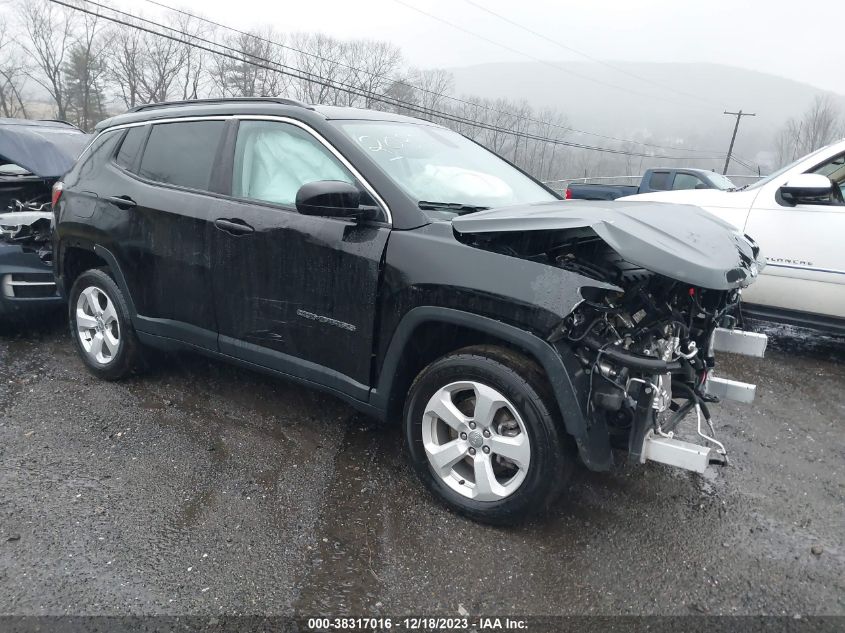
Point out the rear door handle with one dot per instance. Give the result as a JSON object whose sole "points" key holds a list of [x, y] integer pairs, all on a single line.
{"points": [[121, 202], [233, 226]]}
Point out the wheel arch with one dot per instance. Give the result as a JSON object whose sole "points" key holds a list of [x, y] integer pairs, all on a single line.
{"points": [[75, 261], [79, 257], [415, 343]]}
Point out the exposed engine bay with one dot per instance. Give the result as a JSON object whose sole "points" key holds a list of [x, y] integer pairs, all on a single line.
{"points": [[33, 156], [29, 224], [25, 212], [646, 341], [647, 351]]}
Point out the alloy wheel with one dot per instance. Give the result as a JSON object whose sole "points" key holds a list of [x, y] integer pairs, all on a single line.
{"points": [[476, 441], [97, 325]]}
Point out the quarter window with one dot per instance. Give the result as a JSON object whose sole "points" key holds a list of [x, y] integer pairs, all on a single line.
{"points": [[273, 160], [182, 153], [98, 155], [130, 146]]}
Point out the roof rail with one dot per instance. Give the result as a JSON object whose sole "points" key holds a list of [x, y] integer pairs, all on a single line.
{"points": [[222, 100]]}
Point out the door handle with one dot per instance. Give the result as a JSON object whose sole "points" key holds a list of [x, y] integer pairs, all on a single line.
{"points": [[121, 202], [233, 226]]}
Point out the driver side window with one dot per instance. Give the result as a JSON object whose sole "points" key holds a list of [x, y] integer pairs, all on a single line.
{"points": [[687, 181], [273, 160], [835, 170]]}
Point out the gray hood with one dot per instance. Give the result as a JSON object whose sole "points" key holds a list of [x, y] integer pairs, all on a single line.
{"points": [[681, 242], [45, 148]]}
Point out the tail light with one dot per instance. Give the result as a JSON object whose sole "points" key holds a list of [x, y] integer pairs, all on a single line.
{"points": [[568, 194], [57, 192]]}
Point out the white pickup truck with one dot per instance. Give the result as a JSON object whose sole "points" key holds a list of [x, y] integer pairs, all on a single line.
{"points": [[797, 216]]}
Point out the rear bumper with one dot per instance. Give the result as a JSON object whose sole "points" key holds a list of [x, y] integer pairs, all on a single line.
{"points": [[27, 285]]}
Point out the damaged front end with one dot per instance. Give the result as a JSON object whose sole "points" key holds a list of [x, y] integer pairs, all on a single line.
{"points": [[29, 225], [649, 352], [33, 155], [26, 259], [645, 339]]}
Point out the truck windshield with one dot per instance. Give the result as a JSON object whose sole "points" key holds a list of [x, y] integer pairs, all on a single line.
{"points": [[785, 169], [442, 170]]}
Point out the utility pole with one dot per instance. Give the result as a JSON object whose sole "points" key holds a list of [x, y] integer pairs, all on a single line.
{"points": [[738, 116]]}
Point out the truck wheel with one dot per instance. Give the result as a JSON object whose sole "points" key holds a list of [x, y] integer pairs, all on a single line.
{"points": [[482, 434], [101, 328]]}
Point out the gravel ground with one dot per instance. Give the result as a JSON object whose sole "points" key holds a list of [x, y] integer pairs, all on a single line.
{"points": [[202, 489]]}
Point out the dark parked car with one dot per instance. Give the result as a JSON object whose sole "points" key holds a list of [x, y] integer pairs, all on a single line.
{"points": [[652, 180], [33, 155], [352, 251]]}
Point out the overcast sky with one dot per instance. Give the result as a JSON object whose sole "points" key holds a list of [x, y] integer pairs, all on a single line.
{"points": [[799, 40]]}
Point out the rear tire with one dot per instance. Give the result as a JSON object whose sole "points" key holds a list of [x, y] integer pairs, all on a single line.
{"points": [[483, 434], [101, 327]]}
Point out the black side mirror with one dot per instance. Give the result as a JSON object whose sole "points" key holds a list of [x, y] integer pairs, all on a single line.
{"points": [[330, 198], [807, 188]]}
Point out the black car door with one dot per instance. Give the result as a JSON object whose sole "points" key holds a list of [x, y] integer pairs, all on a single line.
{"points": [[163, 206], [293, 292]]}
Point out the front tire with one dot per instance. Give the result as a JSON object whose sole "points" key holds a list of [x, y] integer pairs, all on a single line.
{"points": [[482, 433], [101, 327]]}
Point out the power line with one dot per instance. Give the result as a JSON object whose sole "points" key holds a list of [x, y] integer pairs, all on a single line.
{"points": [[419, 88], [529, 56], [585, 55], [745, 163], [319, 80]]}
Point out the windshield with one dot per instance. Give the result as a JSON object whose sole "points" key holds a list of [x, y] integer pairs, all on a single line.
{"points": [[441, 169], [783, 170]]}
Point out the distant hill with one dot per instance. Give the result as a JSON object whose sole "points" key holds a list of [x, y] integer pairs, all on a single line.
{"points": [[670, 116]]}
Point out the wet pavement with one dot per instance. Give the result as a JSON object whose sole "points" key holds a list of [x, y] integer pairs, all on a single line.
{"points": [[200, 488]]}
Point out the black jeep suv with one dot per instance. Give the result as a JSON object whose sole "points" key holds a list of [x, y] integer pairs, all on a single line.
{"points": [[408, 270]]}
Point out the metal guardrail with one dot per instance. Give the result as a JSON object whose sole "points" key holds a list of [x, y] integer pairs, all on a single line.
{"points": [[584, 180], [562, 183]]}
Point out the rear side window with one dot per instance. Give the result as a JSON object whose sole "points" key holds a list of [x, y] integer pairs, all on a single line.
{"points": [[130, 146], [182, 153], [659, 180]]}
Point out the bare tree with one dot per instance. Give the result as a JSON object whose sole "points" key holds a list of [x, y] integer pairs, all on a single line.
{"points": [[162, 61], [12, 76], [320, 59], [258, 69], [47, 37], [143, 67], [124, 63], [372, 67], [548, 162], [399, 92], [193, 71], [820, 125], [434, 86]]}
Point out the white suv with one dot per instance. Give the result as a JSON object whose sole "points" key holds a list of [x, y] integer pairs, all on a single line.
{"points": [[797, 216]]}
